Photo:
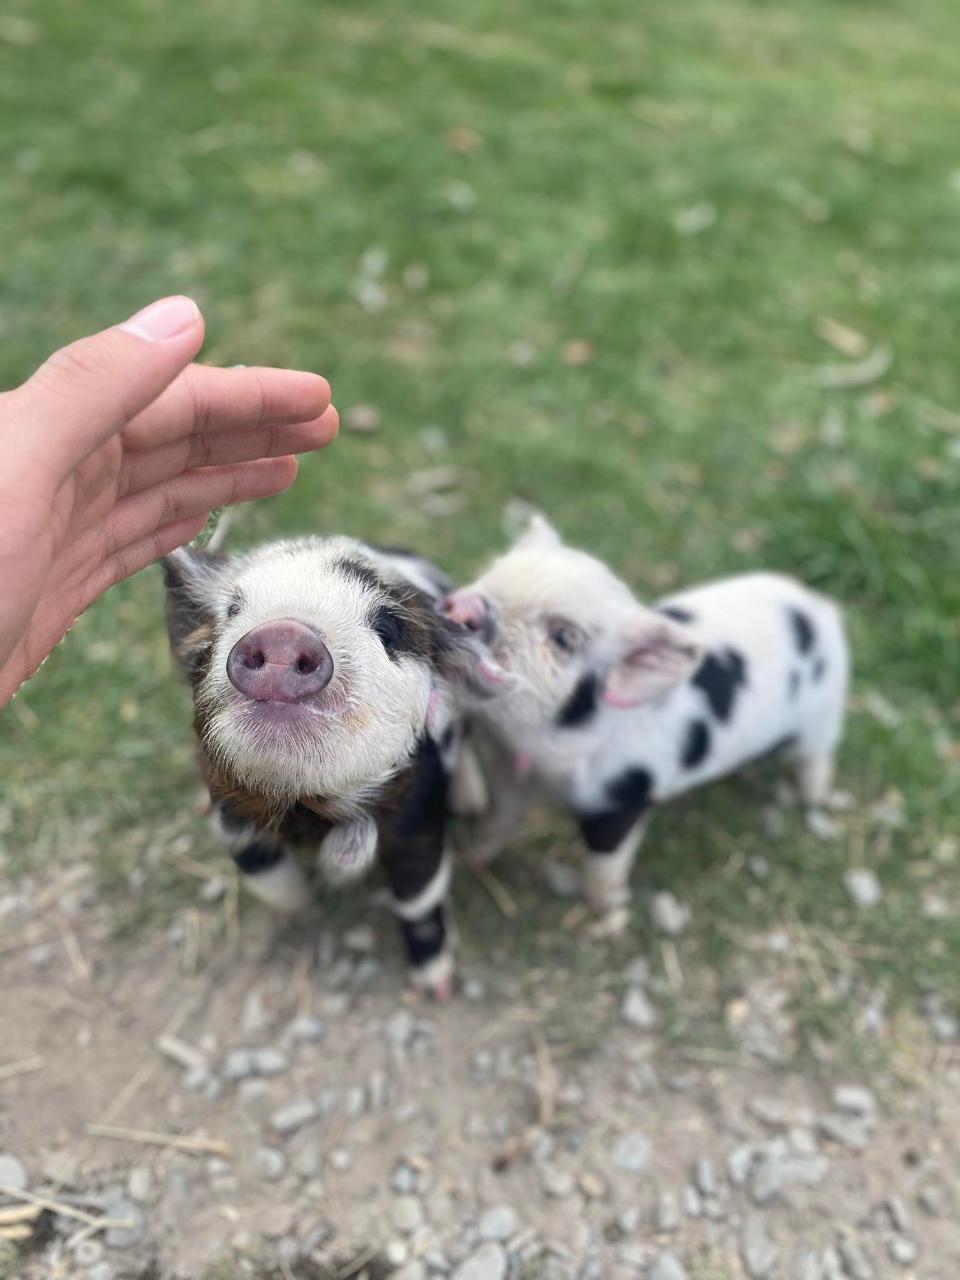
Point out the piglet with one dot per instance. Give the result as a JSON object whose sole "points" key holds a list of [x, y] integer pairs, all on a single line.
{"points": [[327, 696], [615, 706]]}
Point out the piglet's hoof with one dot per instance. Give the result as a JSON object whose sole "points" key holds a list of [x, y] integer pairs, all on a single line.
{"points": [[434, 980]]}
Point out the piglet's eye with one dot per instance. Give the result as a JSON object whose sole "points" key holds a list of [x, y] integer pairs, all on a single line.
{"points": [[233, 608], [388, 627], [564, 636]]}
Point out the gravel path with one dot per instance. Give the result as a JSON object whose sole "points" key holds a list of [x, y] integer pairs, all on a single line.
{"points": [[330, 1117]]}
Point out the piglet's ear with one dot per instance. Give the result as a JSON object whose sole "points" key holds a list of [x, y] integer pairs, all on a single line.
{"points": [[191, 576], [657, 656], [538, 535]]}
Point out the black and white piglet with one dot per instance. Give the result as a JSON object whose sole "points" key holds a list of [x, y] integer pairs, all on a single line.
{"points": [[326, 689], [616, 707]]}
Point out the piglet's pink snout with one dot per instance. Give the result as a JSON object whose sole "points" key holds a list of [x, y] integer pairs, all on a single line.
{"points": [[280, 661], [468, 608]]}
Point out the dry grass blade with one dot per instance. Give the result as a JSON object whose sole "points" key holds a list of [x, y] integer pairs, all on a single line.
{"points": [[180, 1142], [71, 945], [936, 416], [497, 891], [15, 1234], [11, 1069], [849, 342], [65, 1210], [11, 1215], [355, 1265], [861, 374], [546, 1079]]}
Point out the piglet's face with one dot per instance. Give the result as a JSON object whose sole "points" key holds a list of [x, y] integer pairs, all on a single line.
{"points": [[313, 663], [570, 633]]}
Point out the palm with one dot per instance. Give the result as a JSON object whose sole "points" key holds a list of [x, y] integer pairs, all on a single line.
{"points": [[70, 531]]}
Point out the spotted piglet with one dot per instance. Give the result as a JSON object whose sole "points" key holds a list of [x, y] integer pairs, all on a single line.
{"points": [[615, 707], [326, 690]]}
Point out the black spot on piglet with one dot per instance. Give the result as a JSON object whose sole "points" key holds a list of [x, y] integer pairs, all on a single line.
{"points": [[696, 748], [631, 790], [255, 858], [804, 633], [581, 706], [720, 676]]}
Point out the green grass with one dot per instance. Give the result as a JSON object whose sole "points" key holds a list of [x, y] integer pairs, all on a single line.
{"points": [[533, 163]]}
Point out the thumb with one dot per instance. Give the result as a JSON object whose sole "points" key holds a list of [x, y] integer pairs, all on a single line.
{"points": [[87, 391]]}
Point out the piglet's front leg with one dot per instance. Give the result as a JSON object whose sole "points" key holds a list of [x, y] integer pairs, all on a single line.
{"points": [[612, 840], [419, 876]]}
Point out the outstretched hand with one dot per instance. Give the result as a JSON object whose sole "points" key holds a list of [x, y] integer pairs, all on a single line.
{"points": [[116, 451]]}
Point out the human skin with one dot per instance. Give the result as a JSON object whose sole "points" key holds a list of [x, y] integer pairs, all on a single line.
{"points": [[116, 451]]}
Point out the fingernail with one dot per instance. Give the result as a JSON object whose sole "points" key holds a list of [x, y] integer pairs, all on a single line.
{"points": [[164, 319]]}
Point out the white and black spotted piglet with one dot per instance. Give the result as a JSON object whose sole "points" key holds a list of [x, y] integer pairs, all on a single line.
{"points": [[615, 706], [326, 692]]}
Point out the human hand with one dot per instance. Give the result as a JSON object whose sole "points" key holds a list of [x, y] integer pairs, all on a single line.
{"points": [[116, 451]]}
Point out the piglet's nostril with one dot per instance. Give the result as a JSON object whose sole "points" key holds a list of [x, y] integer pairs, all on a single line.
{"points": [[280, 661]]}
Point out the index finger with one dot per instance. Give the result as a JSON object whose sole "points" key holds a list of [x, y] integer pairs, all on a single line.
{"points": [[204, 398]]}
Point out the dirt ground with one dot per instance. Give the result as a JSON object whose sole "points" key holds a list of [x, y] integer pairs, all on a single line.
{"points": [[481, 1138]]}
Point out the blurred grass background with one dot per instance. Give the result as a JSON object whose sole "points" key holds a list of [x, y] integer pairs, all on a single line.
{"points": [[583, 254]]}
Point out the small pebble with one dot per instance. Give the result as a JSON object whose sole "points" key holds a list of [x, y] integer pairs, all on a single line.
{"points": [[903, 1251], [497, 1223], [127, 1236], [637, 1011], [412, 1271], [705, 1178], [863, 886], [854, 1099], [629, 1220], [140, 1182], [102, 1271], [668, 915], [631, 1152], [400, 1028], [269, 1163], [897, 1211], [361, 939], [739, 1162], [88, 1252], [355, 1102], [668, 1214], [692, 1204], [309, 1161], [407, 1214], [760, 1254], [404, 1180], [854, 1260], [269, 1062], [558, 1183], [767, 1181], [293, 1116], [340, 1159], [12, 1172], [306, 1029], [667, 1267], [488, 1263], [846, 1131], [563, 880]]}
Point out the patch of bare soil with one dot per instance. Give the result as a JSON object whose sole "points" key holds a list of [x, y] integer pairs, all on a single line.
{"points": [[280, 1106]]}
